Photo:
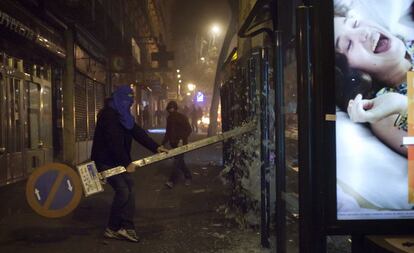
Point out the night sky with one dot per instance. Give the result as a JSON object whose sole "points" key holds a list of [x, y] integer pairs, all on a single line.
{"points": [[192, 19], [190, 16]]}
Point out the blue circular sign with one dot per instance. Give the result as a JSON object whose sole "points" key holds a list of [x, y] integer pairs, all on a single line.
{"points": [[53, 190]]}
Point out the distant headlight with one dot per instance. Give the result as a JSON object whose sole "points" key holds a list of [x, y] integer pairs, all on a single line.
{"points": [[205, 120]]}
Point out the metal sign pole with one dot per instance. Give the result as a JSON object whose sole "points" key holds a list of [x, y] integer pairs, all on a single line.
{"points": [[91, 179], [54, 190]]}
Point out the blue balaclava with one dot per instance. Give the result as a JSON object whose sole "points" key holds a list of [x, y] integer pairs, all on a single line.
{"points": [[122, 100]]}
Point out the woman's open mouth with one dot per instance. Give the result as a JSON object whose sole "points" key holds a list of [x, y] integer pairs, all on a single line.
{"points": [[381, 44]]}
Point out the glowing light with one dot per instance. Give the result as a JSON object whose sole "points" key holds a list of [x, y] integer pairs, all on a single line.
{"points": [[157, 131], [178, 76], [205, 120], [191, 86], [178, 71], [234, 57], [200, 97], [215, 29]]}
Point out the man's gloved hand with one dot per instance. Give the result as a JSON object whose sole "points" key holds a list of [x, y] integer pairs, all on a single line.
{"points": [[131, 168], [103, 180], [162, 149]]}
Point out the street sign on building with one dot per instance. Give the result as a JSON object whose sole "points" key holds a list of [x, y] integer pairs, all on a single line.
{"points": [[200, 97], [118, 63], [162, 57], [172, 95]]}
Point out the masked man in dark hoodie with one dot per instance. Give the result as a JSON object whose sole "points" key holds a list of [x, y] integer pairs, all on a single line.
{"points": [[111, 147], [178, 128]]}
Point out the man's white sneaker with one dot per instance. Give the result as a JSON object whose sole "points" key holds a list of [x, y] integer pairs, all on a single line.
{"points": [[109, 233], [187, 182], [169, 184], [128, 234]]}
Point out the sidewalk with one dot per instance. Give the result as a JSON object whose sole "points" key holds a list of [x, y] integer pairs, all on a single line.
{"points": [[182, 220]]}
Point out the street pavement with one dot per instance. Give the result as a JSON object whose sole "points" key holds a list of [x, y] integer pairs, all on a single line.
{"points": [[182, 219]]}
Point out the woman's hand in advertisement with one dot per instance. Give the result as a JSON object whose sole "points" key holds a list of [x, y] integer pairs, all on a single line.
{"points": [[371, 110]]}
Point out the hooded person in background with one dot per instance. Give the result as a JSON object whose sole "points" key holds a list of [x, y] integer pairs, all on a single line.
{"points": [[194, 118], [178, 128], [146, 117], [111, 147]]}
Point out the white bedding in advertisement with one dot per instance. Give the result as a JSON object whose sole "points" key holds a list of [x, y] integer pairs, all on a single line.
{"points": [[371, 177]]}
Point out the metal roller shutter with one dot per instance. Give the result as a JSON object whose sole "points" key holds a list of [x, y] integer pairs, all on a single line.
{"points": [[91, 107], [80, 109]]}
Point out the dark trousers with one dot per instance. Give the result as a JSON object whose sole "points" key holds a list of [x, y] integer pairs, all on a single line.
{"points": [[179, 165], [123, 205], [194, 125]]}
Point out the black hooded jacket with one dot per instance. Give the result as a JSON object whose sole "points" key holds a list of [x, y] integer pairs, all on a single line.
{"points": [[112, 141], [178, 128]]}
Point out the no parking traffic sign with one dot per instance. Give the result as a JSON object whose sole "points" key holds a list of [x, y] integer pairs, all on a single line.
{"points": [[53, 190]]}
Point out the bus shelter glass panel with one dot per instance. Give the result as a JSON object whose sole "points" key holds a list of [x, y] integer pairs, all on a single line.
{"points": [[374, 45]]}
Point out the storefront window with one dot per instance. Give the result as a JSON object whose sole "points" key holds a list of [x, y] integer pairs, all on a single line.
{"points": [[15, 133], [46, 117], [33, 115]]}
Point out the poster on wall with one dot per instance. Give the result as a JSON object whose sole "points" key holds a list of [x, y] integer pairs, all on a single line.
{"points": [[374, 54]]}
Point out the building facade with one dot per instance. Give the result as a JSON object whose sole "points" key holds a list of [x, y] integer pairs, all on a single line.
{"points": [[59, 59]]}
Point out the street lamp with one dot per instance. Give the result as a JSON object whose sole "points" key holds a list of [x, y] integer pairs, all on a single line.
{"points": [[215, 29], [178, 76], [191, 87]]}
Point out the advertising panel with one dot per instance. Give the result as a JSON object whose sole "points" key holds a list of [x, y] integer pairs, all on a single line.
{"points": [[374, 54]]}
